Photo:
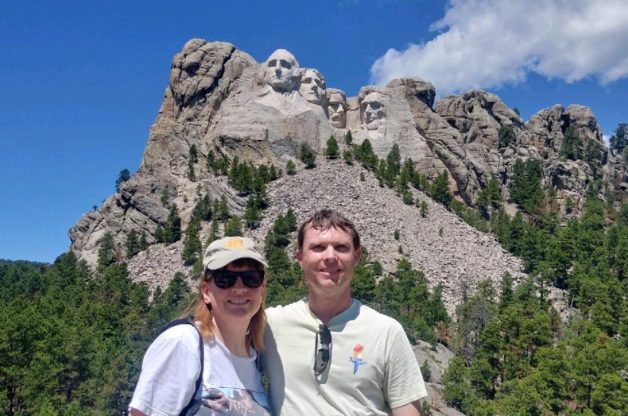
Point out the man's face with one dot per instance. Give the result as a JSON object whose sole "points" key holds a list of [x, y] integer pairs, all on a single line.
{"points": [[373, 111], [337, 110], [328, 259], [312, 87], [283, 71]]}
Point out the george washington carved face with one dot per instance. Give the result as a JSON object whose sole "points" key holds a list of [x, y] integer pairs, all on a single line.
{"points": [[282, 71]]}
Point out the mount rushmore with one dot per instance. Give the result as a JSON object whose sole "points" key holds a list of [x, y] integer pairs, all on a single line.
{"points": [[220, 99]]}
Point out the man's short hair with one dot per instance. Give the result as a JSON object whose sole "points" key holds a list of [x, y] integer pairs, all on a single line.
{"points": [[326, 219]]}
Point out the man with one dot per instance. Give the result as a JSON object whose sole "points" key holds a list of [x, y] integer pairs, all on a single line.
{"points": [[329, 354]]}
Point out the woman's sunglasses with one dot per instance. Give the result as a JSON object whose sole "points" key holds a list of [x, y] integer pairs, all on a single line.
{"points": [[225, 279]]}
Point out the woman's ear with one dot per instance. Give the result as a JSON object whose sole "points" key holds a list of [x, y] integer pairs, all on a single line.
{"points": [[206, 292]]}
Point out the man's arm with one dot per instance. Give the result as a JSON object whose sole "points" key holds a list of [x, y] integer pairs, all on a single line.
{"points": [[410, 409]]}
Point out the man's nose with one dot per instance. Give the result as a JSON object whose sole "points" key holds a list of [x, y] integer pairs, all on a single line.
{"points": [[330, 253]]}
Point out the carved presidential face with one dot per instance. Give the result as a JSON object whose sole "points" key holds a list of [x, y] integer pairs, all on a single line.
{"points": [[313, 87], [373, 111], [337, 107], [282, 72]]}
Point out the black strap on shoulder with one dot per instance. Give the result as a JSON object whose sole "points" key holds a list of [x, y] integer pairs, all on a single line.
{"points": [[190, 321]]}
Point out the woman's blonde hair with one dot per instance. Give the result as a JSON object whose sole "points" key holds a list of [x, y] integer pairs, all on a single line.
{"points": [[202, 312]]}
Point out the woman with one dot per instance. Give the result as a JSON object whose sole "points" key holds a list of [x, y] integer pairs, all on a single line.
{"points": [[229, 315]]}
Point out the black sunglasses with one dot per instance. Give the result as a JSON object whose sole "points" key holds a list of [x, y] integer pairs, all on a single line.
{"points": [[322, 352], [225, 279]]}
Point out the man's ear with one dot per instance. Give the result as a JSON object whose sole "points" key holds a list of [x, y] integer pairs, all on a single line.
{"points": [[358, 255], [299, 256]]}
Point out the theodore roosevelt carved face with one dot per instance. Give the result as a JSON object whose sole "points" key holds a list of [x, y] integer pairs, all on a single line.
{"points": [[313, 86], [373, 111], [282, 71], [337, 107]]}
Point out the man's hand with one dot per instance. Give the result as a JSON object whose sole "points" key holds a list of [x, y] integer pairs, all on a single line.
{"points": [[410, 409]]}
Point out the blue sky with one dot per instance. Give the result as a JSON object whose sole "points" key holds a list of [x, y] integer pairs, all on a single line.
{"points": [[82, 81]]}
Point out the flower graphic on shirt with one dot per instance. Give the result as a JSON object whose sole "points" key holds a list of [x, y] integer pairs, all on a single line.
{"points": [[357, 359]]}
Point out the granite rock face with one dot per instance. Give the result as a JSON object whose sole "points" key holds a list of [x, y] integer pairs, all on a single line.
{"points": [[220, 99]]}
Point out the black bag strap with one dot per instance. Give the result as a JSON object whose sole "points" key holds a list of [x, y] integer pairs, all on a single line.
{"points": [[190, 321]]}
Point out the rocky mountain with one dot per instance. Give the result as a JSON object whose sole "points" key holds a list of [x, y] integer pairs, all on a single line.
{"points": [[220, 101]]}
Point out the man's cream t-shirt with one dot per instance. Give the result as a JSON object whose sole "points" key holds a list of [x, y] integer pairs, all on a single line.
{"points": [[372, 368]]}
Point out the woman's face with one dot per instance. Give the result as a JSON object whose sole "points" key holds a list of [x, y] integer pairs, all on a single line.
{"points": [[237, 302]]}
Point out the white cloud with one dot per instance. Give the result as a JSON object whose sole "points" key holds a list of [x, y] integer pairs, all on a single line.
{"points": [[487, 43]]}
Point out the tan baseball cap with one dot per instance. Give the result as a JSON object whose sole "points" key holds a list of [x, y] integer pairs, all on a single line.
{"points": [[222, 252]]}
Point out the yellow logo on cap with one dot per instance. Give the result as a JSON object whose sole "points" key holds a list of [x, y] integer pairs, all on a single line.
{"points": [[235, 243]]}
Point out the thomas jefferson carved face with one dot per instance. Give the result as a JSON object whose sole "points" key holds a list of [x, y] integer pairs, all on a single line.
{"points": [[373, 111], [282, 72], [337, 108], [313, 86]]}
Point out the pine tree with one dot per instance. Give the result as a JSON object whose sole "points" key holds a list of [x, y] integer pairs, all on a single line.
{"points": [[348, 157], [253, 212], [106, 252], [192, 248], [213, 233], [133, 245], [619, 140], [572, 144], [172, 229], [440, 189], [423, 209], [307, 156], [506, 135], [348, 138], [291, 169], [233, 227], [331, 150], [124, 176]]}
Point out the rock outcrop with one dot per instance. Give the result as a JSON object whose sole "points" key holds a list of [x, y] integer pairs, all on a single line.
{"points": [[219, 100]]}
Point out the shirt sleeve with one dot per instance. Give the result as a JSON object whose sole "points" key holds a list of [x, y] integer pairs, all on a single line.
{"points": [[404, 383], [170, 369]]}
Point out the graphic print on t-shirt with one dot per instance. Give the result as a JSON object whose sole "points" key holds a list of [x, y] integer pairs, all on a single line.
{"points": [[229, 401], [357, 359]]}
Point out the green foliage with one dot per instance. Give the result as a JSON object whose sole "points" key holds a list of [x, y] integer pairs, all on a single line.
{"points": [[133, 244], [71, 343], [348, 138], [233, 227], [307, 156], [406, 297], [423, 209], [364, 154], [426, 372], [106, 252], [489, 198], [165, 196], [439, 190], [192, 252], [506, 135], [526, 188], [214, 233], [348, 157], [241, 176], [171, 231], [331, 149], [572, 144], [221, 208], [284, 282], [124, 176], [619, 140], [291, 168], [218, 165]]}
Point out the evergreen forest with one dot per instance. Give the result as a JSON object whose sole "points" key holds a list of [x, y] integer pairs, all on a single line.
{"points": [[72, 338]]}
